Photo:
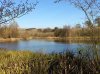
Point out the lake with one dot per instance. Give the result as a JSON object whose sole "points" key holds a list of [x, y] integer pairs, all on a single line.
{"points": [[41, 46]]}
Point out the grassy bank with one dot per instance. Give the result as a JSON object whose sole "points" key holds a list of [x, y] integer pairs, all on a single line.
{"points": [[26, 62]]}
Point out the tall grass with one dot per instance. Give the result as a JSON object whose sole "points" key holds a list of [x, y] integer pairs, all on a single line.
{"points": [[26, 62]]}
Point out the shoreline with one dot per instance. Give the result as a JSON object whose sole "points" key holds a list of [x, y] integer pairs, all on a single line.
{"points": [[9, 39], [56, 39]]}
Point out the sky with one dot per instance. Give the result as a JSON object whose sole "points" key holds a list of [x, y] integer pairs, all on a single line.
{"points": [[50, 14]]}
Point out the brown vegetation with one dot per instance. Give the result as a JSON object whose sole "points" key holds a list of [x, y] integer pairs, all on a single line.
{"points": [[25, 62]]}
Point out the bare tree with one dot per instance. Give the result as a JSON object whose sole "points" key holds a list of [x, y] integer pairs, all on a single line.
{"points": [[10, 9], [91, 8], [97, 21], [14, 29]]}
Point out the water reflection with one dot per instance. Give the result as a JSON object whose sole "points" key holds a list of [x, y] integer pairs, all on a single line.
{"points": [[41, 46]]}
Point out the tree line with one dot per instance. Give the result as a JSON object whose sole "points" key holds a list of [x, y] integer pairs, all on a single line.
{"points": [[12, 30], [78, 30]]}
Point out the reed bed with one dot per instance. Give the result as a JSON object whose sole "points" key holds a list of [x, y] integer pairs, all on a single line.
{"points": [[26, 62]]}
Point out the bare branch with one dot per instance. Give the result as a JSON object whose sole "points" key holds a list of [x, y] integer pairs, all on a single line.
{"points": [[91, 8], [10, 9]]}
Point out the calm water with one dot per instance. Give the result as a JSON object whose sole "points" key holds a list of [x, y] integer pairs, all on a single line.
{"points": [[40, 46]]}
